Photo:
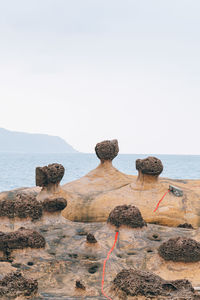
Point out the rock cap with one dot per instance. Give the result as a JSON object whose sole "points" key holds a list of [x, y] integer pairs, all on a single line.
{"points": [[150, 166], [128, 215], [107, 150], [51, 174]]}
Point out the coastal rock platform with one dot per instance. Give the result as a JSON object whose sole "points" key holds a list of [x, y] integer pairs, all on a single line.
{"points": [[68, 257]]}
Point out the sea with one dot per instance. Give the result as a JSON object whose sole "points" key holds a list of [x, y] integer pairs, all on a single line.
{"points": [[18, 169]]}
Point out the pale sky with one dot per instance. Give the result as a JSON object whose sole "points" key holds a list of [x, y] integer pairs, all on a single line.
{"points": [[90, 70]]}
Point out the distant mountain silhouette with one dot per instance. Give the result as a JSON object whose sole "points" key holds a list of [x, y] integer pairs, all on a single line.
{"points": [[12, 141]]}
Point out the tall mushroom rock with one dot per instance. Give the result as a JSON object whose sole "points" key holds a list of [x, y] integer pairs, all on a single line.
{"points": [[149, 170], [107, 150], [53, 197], [97, 182]]}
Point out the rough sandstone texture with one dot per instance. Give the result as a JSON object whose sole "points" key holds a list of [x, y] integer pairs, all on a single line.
{"points": [[107, 150], [180, 249], [128, 215], [23, 206], [91, 238], [51, 174], [53, 205], [150, 166], [20, 239], [14, 284], [141, 283]]}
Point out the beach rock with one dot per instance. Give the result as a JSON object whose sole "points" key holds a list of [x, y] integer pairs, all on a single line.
{"points": [[107, 150], [150, 166], [180, 249], [80, 285], [91, 238], [128, 215], [15, 284], [141, 283]]}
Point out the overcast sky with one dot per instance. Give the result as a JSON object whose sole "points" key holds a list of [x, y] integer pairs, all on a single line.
{"points": [[90, 70]]}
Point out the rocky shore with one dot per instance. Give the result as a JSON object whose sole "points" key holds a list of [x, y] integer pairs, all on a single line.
{"points": [[54, 239]]}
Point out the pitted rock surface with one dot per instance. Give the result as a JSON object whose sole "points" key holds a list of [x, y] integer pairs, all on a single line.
{"points": [[150, 166], [91, 238], [25, 205], [128, 215], [180, 249], [14, 284], [107, 150], [46, 175], [20, 239], [141, 283], [53, 205]]}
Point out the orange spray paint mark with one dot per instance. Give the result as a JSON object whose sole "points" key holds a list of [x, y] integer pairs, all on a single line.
{"points": [[104, 265], [161, 200]]}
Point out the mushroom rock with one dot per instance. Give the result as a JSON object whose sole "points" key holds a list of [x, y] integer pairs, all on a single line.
{"points": [[132, 282], [107, 150], [49, 177], [145, 193], [127, 215], [20, 239], [14, 285], [150, 166], [180, 249], [52, 197], [99, 181]]}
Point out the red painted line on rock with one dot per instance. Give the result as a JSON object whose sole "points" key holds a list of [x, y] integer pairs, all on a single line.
{"points": [[104, 265], [161, 200]]}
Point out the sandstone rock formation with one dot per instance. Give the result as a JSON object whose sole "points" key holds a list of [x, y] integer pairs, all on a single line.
{"points": [[95, 195], [92, 197], [101, 180]]}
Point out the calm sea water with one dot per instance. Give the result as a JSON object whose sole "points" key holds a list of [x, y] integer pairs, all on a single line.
{"points": [[18, 170]]}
